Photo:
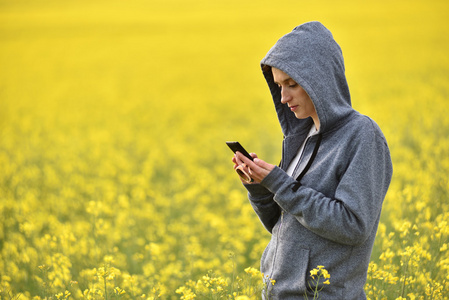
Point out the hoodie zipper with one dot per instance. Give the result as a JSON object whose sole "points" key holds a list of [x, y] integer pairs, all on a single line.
{"points": [[273, 263], [277, 245], [282, 212]]}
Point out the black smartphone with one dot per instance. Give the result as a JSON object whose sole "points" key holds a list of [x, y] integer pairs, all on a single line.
{"points": [[235, 146]]}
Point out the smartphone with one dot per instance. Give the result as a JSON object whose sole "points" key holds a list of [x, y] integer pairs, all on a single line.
{"points": [[235, 146]]}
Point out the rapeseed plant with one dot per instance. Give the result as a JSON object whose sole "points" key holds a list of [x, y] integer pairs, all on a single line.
{"points": [[319, 279]]}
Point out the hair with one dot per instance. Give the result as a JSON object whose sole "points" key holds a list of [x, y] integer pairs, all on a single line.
{"points": [[266, 68]]}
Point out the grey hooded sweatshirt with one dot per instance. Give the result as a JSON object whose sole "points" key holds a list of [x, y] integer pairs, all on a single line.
{"points": [[332, 218]]}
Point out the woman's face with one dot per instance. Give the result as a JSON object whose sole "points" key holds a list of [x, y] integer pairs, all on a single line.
{"points": [[295, 96]]}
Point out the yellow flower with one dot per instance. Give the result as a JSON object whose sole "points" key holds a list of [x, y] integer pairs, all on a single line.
{"points": [[252, 271], [325, 273], [411, 296], [119, 291], [108, 259]]}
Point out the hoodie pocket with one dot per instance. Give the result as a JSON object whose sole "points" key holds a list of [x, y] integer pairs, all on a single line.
{"points": [[290, 269]]}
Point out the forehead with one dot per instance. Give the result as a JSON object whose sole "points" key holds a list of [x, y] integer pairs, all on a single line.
{"points": [[280, 76]]}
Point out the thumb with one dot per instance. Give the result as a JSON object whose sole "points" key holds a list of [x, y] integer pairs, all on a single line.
{"points": [[263, 164], [259, 162]]}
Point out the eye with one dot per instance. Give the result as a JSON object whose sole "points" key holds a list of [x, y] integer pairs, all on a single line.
{"points": [[292, 85]]}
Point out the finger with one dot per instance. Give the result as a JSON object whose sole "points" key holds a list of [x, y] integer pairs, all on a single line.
{"points": [[253, 155], [249, 166], [243, 159], [260, 163], [238, 158], [264, 165]]}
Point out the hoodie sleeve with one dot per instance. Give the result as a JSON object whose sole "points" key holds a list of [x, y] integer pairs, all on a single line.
{"points": [[262, 202], [350, 216]]}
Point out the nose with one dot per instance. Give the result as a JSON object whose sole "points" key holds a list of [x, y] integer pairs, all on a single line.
{"points": [[285, 96]]}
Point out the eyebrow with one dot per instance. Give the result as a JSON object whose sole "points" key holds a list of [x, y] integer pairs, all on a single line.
{"points": [[283, 81]]}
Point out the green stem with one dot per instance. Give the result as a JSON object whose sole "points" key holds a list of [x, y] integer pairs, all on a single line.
{"points": [[233, 277], [405, 279], [105, 289], [315, 294]]}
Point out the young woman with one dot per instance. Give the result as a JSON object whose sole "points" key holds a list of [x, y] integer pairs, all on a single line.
{"points": [[322, 204]]}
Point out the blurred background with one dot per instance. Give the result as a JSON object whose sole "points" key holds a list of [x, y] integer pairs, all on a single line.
{"points": [[113, 115]]}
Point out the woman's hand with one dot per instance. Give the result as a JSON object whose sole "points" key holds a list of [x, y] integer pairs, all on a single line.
{"points": [[257, 169]]}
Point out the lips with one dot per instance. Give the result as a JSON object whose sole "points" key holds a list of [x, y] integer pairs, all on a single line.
{"points": [[292, 108]]}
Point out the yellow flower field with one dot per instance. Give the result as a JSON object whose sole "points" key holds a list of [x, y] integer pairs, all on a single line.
{"points": [[116, 183]]}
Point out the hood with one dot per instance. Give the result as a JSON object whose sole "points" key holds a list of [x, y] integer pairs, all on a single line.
{"points": [[312, 58]]}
